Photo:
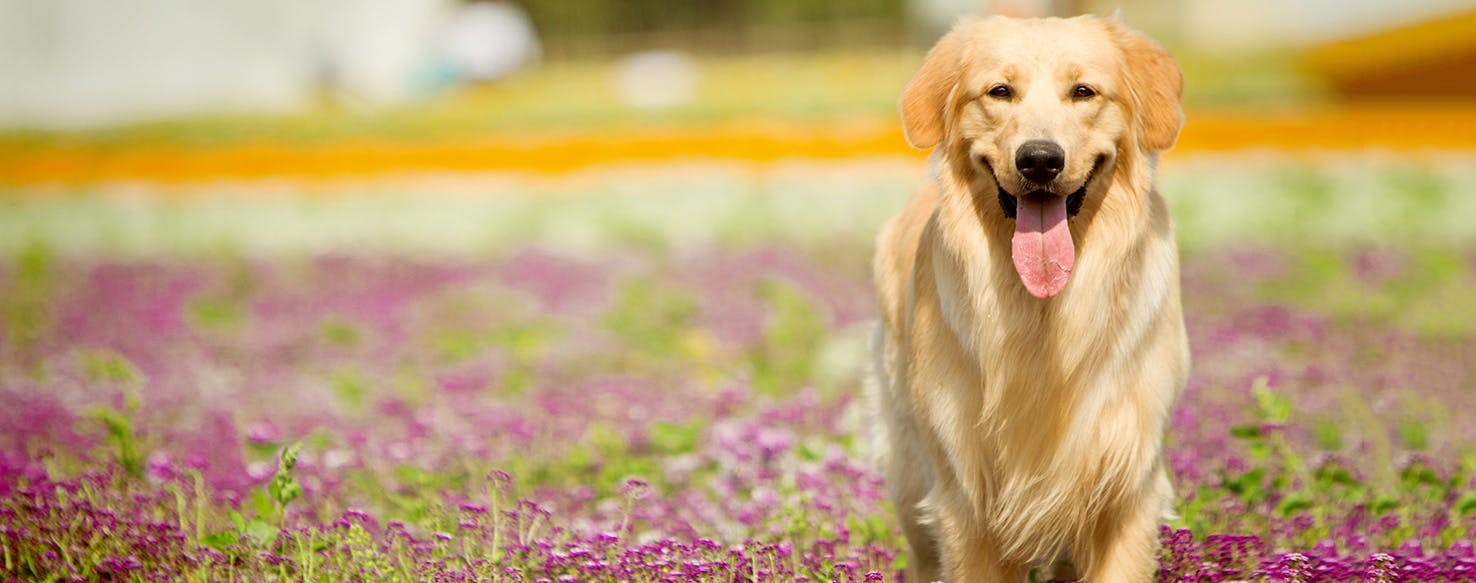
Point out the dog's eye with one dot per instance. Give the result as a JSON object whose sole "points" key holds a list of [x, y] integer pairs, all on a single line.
{"points": [[1083, 92], [1001, 92]]}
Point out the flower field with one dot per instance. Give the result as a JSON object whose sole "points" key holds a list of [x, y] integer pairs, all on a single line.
{"points": [[661, 407]]}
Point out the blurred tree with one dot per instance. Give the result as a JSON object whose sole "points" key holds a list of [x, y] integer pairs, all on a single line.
{"points": [[590, 27]]}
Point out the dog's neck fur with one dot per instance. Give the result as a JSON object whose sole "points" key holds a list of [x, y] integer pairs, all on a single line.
{"points": [[1043, 350]]}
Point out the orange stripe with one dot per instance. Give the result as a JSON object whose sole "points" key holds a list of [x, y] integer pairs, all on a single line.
{"points": [[1393, 127]]}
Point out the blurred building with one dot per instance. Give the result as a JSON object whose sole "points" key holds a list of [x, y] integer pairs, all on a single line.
{"points": [[87, 62]]}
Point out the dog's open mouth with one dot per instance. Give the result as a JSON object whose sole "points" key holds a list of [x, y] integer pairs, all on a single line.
{"points": [[1042, 249], [1007, 201]]}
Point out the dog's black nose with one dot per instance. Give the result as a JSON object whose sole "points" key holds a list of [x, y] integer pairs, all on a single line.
{"points": [[1040, 161]]}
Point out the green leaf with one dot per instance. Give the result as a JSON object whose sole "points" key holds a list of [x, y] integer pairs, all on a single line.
{"points": [[673, 438], [1383, 505], [1466, 504], [1332, 473], [1415, 435], [413, 508], [289, 458], [410, 475], [340, 332], [811, 451], [216, 313], [1293, 503], [1274, 408], [220, 540], [1329, 435], [122, 438], [1247, 485], [350, 387], [260, 502], [261, 532], [1246, 431], [1419, 473], [109, 366]]}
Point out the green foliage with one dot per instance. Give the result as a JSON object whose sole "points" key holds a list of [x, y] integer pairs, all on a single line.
{"points": [[284, 488], [26, 307], [1272, 408], [251, 525], [1465, 505], [350, 387], [121, 436], [1429, 294], [1414, 435], [216, 314], [793, 338], [223, 309], [673, 438], [1328, 434], [1293, 504], [118, 423], [107, 366], [457, 345], [256, 531], [650, 319], [525, 343], [340, 332], [1279, 485]]}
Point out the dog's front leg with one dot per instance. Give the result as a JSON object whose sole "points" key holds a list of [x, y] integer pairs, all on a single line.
{"points": [[969, 556], [977, 561], [1125, 546]]}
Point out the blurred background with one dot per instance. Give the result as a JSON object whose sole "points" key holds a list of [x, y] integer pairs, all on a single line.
{"points": [[649, 104]]}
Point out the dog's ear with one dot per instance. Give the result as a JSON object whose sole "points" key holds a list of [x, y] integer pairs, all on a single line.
{"points": [[926, 95], [1156, 85]]}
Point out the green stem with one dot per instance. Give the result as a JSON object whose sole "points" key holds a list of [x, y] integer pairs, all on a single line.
{"points": [[66, 557], [400, 560], [304, 557], [199, 506], [496, 530]]}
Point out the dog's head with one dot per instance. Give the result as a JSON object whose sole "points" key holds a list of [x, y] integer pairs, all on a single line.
{"points": [[1038, 113]]}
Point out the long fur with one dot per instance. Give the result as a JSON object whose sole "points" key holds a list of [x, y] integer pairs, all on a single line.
{"points": [[1020, 430]]}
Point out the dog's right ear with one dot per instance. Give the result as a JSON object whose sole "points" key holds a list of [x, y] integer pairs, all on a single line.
{"points": [[926, 95]]}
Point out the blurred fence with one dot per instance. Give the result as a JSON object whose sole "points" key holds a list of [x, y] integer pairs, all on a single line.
{"points": [[579, 28]]}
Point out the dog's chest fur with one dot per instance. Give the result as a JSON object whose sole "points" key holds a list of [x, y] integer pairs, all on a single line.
{"points": [[1030, 402]]}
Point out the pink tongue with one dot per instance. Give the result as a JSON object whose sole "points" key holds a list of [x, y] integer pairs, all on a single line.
{"points": [[1042, 247]]}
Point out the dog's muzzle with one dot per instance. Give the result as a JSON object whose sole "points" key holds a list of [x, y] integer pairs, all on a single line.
{"points": [[1007, 201]]}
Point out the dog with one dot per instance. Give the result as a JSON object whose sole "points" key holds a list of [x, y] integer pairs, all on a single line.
{"points": [[1032, 339]]}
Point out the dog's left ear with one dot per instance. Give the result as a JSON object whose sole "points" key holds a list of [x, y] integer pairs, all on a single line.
{"points": [[1156, 84], [926, 95]]}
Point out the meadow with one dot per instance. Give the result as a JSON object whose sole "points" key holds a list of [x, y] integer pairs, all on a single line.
{"points": [[655, 375]]}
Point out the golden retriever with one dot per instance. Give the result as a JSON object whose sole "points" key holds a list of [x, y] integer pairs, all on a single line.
{"points": [[1032, 340]]}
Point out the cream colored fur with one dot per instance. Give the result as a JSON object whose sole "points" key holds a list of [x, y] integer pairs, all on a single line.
{"points": [[1019, 430]]}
